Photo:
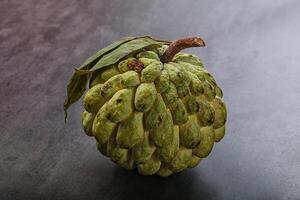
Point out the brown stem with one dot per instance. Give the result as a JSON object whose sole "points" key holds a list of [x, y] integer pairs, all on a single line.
{"points": [[180, 44]]}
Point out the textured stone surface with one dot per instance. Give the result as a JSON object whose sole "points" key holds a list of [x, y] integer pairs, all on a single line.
{"points": [[252, 50]]}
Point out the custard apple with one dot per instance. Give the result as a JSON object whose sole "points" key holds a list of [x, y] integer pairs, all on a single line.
{"points": [[149, 106]]}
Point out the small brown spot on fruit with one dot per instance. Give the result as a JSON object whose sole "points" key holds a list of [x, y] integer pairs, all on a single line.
{"points": [[135, 65]]}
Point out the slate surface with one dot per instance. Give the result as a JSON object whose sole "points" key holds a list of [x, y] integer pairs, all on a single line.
{"points": [[253, 50]]}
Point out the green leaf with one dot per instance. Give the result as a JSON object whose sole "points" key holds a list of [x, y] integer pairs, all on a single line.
{"points": [[105, 57], [75, 89], [88, 63], [133, 46], [78, 81]]}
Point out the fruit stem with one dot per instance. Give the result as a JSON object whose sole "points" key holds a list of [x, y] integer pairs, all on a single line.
{"points": [[178, 45]]}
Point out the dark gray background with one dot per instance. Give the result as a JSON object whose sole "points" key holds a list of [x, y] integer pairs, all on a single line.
{"points": [[253, 50]]}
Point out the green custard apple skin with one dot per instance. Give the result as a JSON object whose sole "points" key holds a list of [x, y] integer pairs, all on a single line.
{"points": [[161, 118]]}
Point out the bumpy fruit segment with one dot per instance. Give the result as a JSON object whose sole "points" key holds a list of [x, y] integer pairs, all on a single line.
{"points": [[143, 152], [131, 131], [149, 167], [102, 126], [145, 97], [189, 132], [168, 152], [181, 159], [161, 118], [87, 120], [206, 142], [93, 100]]}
